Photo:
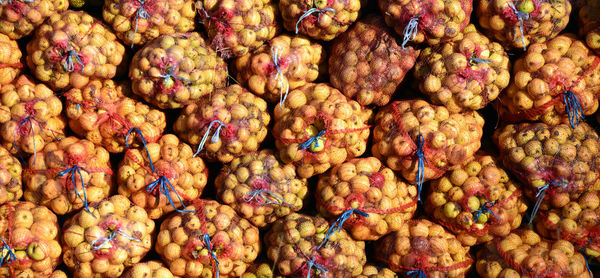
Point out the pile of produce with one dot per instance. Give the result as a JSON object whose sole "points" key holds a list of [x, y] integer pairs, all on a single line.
{"points": [[589, 24], [20, 18], [10, 64], [10, 177]]}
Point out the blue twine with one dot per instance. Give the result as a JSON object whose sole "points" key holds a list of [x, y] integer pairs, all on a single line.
{"points": [[310, 140], [10, 255], [2, 2], [76, 169], [276, 55], [214, 138], [410, 31], [140, 13], [337, 225], [421, 165], [541, 193], [111, 237], [207, 242], [170, 74], [417, 273], [311, 11], [68, 65], [520, 16], [573, 108], [162, 181], [474, 60], [321, 268], [139, 132], [29, 120], [262, 197], [587, 266], [485, 208]]}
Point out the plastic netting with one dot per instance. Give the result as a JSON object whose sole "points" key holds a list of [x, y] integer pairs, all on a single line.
{"points": [[376, 271], [149, 269], [19, 18], [10, 60], [10, 177]]}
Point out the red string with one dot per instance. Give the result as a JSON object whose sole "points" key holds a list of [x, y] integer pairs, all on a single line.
{"points": [[426, 267], [11, 211], [15, 65]]}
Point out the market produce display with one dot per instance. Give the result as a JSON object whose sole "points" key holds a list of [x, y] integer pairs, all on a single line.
{"points": [[10, 177], [20, 18], [10, 57]]}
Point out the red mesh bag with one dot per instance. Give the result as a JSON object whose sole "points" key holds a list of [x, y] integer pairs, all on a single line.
{"points": [[102, 113], [367, 64], [237, 27], [306, 246], [477, 201], [318, 128], [365, 185], [138, 21], [236, 118], [424, 248], [284, 64], [260, 188], [520, 23], [10, 59], [113, 235], [524, 254], [175, 70], [376, 271], [68, 175], [427, 21], [10, 177], [163, 178], [71, 48], [210, 240], [149, 269], [29, 235], [464, 74], [589, 24], [20, 18], [30, 117], [554, 82], [423, 141]]}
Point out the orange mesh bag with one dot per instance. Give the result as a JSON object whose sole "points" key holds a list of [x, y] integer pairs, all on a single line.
{"points": [[260, 188], [238, 27], [10, 177], [236, 118], [318, 128], [138, 21], [174, 70], [20, 18], [424, 249], [477, 201], [29, 235], [102, 113], [30, 117], [427, 21], [10, 60], [524, 254], [103, 241], [589, 24], [209, 240], [319, 19], [162, 178], [149, 269], [554, 82], [71, 48], [68, 175], [285, 63], [423, 141], [520, 23], [464, 74], [366, 198], [305, 246], [375, 271], [367, 64]]}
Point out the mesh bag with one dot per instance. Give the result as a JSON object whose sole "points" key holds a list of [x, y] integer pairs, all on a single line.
{"points": [[520, 23], [589, 24], [365, 186], [260, 188], [175, 70], [138, 21], [319, 19], [149, 269], [424, 248], [477, 201], [210, 240], [10, 177], [554, 82], [236, 118], [427, 21], [162, 178], [423, 141], [102, 113], [367, 64], [376, 271], [524, 254], [302, 246], [18, 18], [555, 164], [58, 274], [71, 48], [318, 128], [286, 63], [29, 235], [465, 74], [260, 270], [68, 175], [30, 117], [102, 242], [10, 59], [237, 27]]}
